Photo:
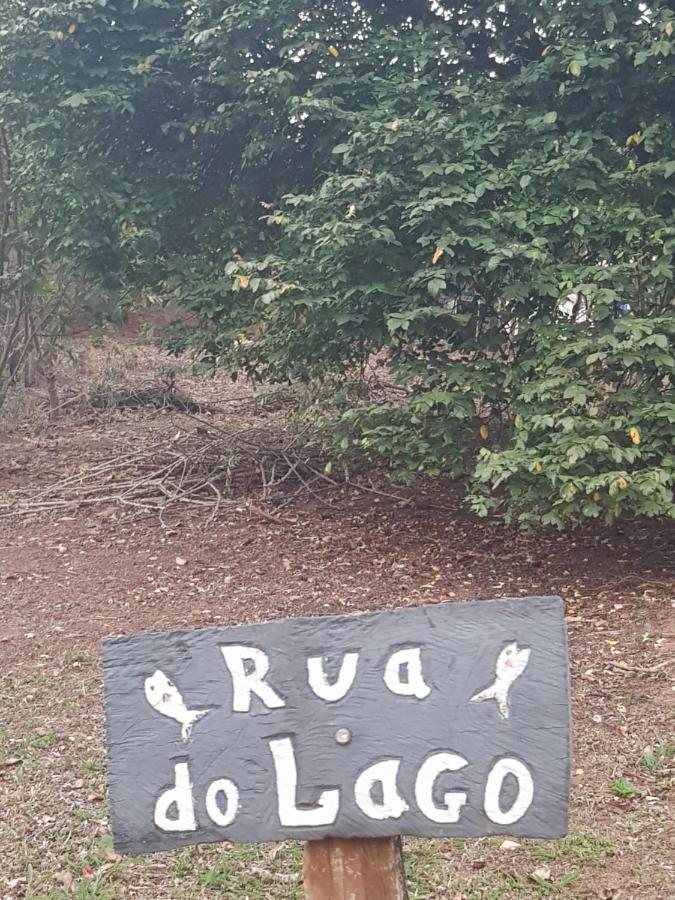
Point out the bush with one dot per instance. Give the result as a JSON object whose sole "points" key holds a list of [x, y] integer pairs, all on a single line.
{"points": [[482, 201]]}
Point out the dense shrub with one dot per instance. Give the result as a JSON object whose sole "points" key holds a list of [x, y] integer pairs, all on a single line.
{"points": [[481, 194]]}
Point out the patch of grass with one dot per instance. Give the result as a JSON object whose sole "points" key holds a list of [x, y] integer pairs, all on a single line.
{"points": [[74, 656], [623, 788], [258, 871], [491, 885], [576, 849], [557, 886], [244, 872], [426, 870], [43, 741], [92, 767], [431, 870], [80, 815], [658, 757]]}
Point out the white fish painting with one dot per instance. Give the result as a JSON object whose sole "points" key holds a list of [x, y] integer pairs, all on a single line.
{"points": [[511, 663], [163, 695]]}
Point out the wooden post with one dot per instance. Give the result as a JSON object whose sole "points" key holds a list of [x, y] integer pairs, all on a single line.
{"points": [[354, 869]]}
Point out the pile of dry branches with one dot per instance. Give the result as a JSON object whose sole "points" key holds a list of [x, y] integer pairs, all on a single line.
{"points": [[202, 468]]}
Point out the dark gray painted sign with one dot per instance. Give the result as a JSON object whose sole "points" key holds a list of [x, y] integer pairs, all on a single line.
{"points": [[450, 719]]}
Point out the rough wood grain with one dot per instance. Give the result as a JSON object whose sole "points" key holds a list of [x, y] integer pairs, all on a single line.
{"points": [[357, 869]]}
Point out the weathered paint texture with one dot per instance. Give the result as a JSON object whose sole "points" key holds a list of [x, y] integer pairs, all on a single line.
{"points": [[451, 719]]}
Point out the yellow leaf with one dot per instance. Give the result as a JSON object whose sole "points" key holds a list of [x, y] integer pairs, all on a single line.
{"points": [[596, 496], [351, 211], [634, 435], [622, 664], [612, 643], [181, 561], [243, 281], [394, 126], [437, 255], [537, 467], [518, 421], [634, 138], [334, 51], [484, 432], [72, 29], [546, 51], [193, 129], [668, 28], [621, 484]]}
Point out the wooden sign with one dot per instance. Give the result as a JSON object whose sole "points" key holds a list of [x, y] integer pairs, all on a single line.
{"points": [[444, 720]]}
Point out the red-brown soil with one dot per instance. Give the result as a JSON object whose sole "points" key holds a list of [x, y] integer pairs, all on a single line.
{"points": [[73, 578]]}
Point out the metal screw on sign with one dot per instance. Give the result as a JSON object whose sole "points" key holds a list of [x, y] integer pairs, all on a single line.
{"points": [[343, 736]]}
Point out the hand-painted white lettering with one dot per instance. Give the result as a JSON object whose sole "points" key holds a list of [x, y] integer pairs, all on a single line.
{"points": [[245, 684], [231, 793], [393, 805], [453, 801], [320, 684], [328, 804], [493, 788], [410, 658], [179, 796]]}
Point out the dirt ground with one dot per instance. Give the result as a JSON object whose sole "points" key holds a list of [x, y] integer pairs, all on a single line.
{"points": [[76, 575]]}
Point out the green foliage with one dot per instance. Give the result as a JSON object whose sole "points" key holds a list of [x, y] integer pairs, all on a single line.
{"points": [[658, 758], [593, 426], [480, 201], [623, 789]]}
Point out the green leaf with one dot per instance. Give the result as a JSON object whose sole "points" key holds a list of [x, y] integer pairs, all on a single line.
{"points": [[74, 101]]}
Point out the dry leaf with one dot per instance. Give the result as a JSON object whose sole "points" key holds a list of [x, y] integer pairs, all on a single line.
{"points": [[334, 52], [65, 879], [542, 873], [10, 761], [509, 845], [180, 561], [437, 255]]}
